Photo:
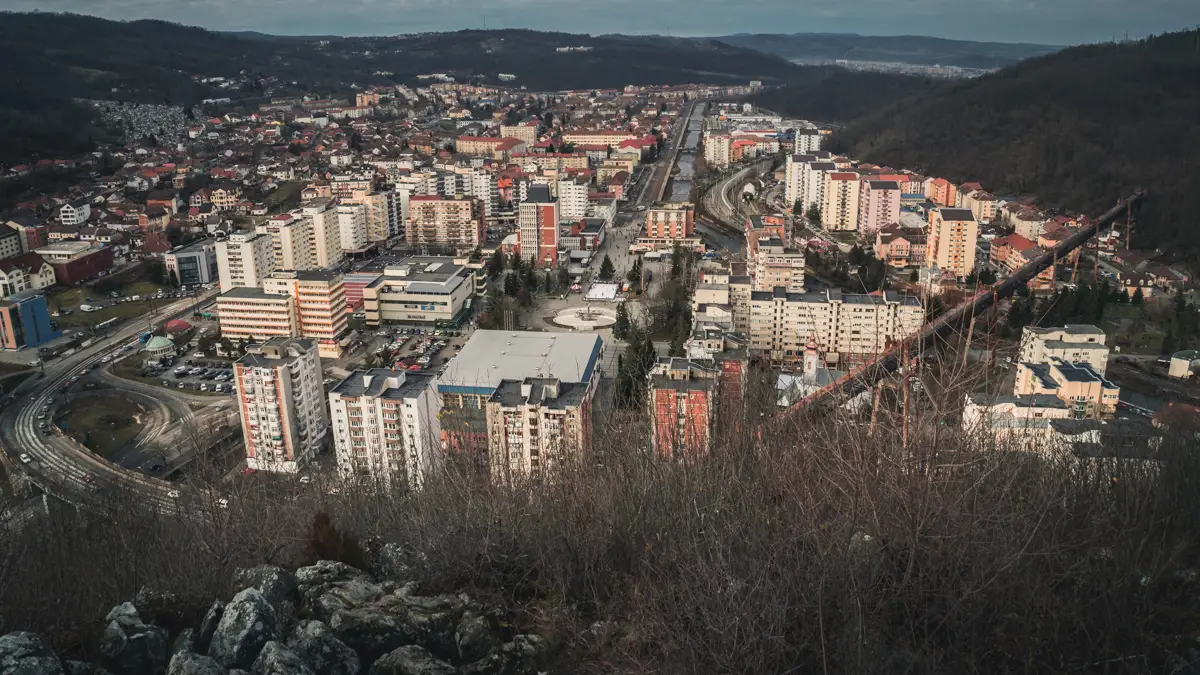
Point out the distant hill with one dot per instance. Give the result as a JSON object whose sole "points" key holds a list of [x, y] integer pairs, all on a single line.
{"points": [[913, 49], [834, 94], [65, 56], [1077, 128]]}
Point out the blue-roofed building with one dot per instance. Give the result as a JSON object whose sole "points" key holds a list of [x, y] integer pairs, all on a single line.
{"points": [[25, 321]]}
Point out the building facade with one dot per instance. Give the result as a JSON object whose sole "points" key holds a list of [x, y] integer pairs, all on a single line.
{"points": [[671, 221], [953, 234], [195, 263], [840, 209], [1073, 343], [537, 220], [451, 222], [244, 260], [682, 398], [25, 321], [421, 290], [878, 206], [282, 404]]}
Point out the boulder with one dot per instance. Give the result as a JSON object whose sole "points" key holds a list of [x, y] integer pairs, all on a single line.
{"points": [[329, 586], [316, 644], [411, 660], [432, 621], [371, 631], [184, 642], [247, 623], [276, 584], [276, 659], [84, 668], [27, 654], [473, 638], [327, 572], [522, 656], [157, 606], [208, 626], [131, 646], [389, 561], [191, 663]]}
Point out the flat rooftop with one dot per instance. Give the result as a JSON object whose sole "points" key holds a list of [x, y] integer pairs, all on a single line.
{"points": [[383, 383], [492, 356]]}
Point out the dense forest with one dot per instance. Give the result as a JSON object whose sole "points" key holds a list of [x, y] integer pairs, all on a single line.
{"points": [[834, 94], [1077, 129], [914, 49]]}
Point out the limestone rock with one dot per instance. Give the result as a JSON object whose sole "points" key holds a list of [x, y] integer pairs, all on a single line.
{"points": [[248, 623], [26, 653], [208, 626], [191, 663], [411, 660], [84, 668], [473, 638], [276, 584], [277, 659], [522, 656], [317, 645], [131, 646]]}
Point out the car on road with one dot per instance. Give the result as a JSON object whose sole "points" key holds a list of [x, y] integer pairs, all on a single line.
{"points": [[88, 477], [25, 458], [173, 494]]}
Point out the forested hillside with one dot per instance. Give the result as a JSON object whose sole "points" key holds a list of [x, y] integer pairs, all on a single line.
{"points": [[834, 94], [915, 49]]}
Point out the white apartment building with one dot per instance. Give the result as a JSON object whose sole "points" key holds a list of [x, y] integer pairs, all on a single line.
{"points": [[717, 149], [572, 199], [380, 212], [352, 227], [385, 426], [244, 260], [953, 234], [840, 209], [777, 265], [794, 181], [282, 404], [311, 304], [1073, 343], [878, 206], [537, 425], [291, 242], [326, 235], [445, 221], [813, 183], [807, 140], [846, 327]]}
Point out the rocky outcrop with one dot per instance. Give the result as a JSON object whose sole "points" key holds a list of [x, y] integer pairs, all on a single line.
{"points": [[27, 654], [327, 619], [132, 647], [247, 624]]}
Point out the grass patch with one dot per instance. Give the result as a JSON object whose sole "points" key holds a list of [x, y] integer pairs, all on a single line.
{"points": [[104, 424], [71, 298]]}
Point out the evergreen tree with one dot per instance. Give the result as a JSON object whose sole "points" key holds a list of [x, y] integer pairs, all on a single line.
{"points": [[1138, 298], [621, 327], [495, 265], [512, 284], [813, 214], [564, 277], [607, 269]]}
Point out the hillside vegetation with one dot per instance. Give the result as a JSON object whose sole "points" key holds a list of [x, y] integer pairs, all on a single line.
{"points": [[834, 94], [1078, 129], [915, 49]]}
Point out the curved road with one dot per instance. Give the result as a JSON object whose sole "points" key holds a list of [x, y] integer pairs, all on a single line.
{"points": [[61, 467]]}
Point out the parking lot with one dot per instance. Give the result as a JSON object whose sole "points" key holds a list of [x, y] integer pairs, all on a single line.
{"points": [[199, 374], [416, 349]]}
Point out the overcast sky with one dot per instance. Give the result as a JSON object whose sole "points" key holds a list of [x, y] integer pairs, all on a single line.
{"points": [[1045, 21]]}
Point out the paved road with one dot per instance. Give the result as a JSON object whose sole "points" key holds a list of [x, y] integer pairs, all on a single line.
{"points": [[62, 467]]}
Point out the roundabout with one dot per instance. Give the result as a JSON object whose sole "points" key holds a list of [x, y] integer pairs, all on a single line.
{"points": [[585, 318]]}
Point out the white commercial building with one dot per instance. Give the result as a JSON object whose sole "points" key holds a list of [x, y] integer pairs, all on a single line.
{"points": [[385, 426], [244, 260], [282, 404], [1073, 343]]}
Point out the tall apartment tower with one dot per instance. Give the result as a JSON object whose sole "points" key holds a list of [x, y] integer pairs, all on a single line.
{"points": [[352, 227], [326, 237], [385, 426], [244, 260], [537, 219], [878, 206], [291, 242], [445, 221], [840, 211], [282, 404], [672, 220], [953, 234]]}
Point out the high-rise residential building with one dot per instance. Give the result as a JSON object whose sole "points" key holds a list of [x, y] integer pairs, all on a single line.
{"points": [[421, 290], [352, 227], [776, 265], [572, 199], [953, 234], [514, 402], [808, 140], [326, 235], [1073, 343], [291, 241], [537, 220], [717, 149], [385, 426], [794, 173], [671, 221], [244, 260], [813, 181], [282, 404], [526, 131], [840, 209], [942, 192], [450, 222], [682, 397], [878, 206], [311, 304], [847, 327], [379, 213], [195, 263]]}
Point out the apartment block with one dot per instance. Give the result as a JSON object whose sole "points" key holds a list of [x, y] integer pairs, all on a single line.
{"points": [[814, 181], [282, 404], [248, 314], [526, 131], [311, 304], [244, 260], [1079, 385], [671, 221], [1073, 343], [776, 265], [878, 205], [385, 426], [682, 397], [942, 192], [352, 227], [420, 290], [572, 199], [847, 327], [561, 370], [901, 246], [291, 242], [953, 234], [445, 222], [717, 149], [1013, 418], [537, 220], [326, 236], [840, 209], [380, 212]]}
